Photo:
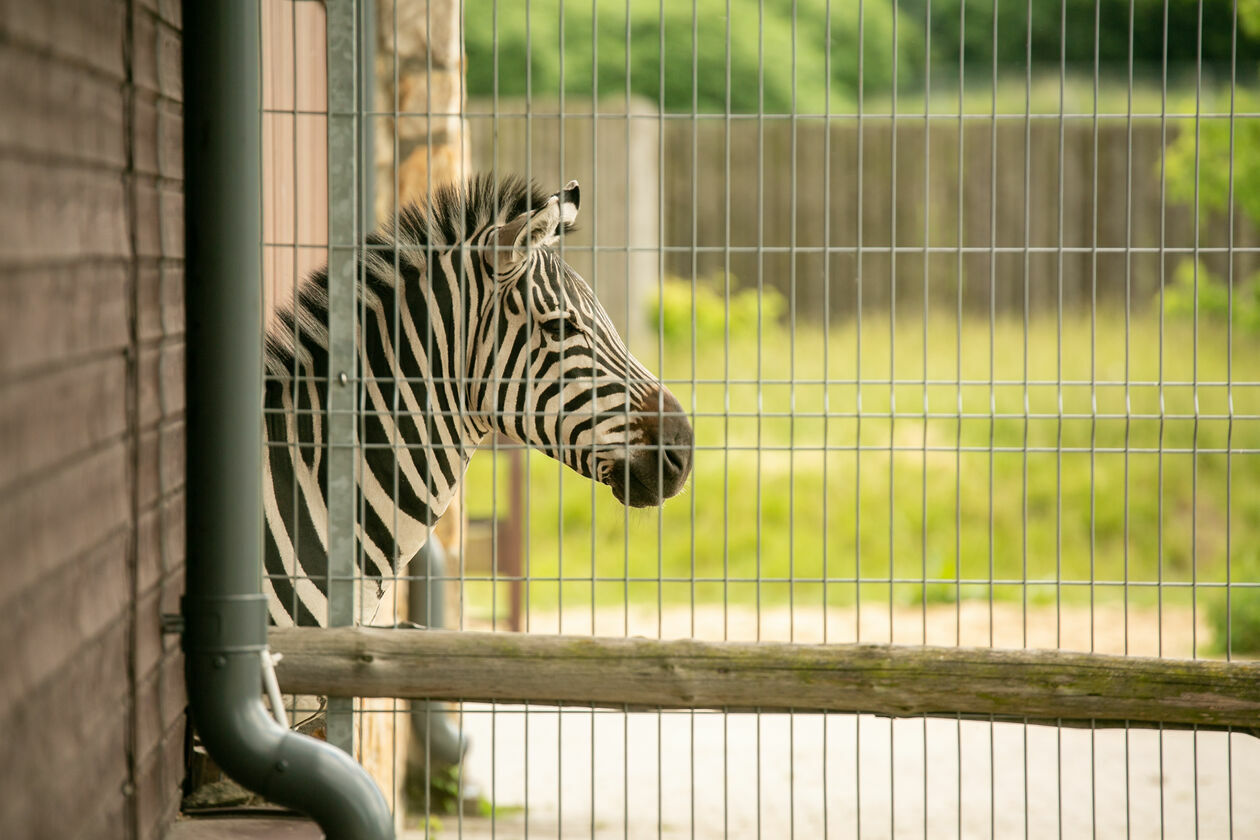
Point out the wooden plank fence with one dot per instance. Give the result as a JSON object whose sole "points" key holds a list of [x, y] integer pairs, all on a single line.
{"points": [[779, 224]]}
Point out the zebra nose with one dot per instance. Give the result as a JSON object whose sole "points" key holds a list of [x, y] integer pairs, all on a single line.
{"points": [[665, 461]]}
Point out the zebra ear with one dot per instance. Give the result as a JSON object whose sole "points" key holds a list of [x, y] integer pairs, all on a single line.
{"points": [[530, 230], [570, 199], [540, 227]]}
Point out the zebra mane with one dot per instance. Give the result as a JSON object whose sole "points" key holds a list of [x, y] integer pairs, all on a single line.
{"points": [[457, 210], [451, 214]]}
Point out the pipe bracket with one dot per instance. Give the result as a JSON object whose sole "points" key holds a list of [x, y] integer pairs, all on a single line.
{"points": [[225, 623]]}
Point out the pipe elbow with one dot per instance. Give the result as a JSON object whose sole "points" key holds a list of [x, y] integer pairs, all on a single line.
{"points": [[285, 767]]}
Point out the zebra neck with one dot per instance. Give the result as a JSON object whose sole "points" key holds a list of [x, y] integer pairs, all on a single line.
{"points": [[412, 439]]}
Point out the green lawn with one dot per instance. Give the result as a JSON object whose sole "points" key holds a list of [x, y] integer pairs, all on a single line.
{"points": [[806, 469]]}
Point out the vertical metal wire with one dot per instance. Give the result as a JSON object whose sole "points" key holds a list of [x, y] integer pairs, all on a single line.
{"points": [[1093, 403], [1093, 338], [496, 549], [1229, 394], [430, 303], [1028, 53], [1023, 547], [1163, 242], [1229, 342], [857, 445], [726, 329], [826, 370], [293, 292], [695, 202], [993, 204], [595, 284], [761, 290], [1194, 378], [660, 361], [958, 379], [1128, 376], [527, 561], [792, 348], [726, 399], [625, 517], [462, 794], [367, 379], [892, 405], [761, 296], [559, 466], [926, 406]]}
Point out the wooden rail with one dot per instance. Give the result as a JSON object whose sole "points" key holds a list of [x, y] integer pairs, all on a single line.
{"points": [[1070, 689]]}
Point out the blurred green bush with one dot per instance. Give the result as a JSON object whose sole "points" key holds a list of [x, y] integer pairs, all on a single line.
{"points": [[714, 311], [1234, 618]]}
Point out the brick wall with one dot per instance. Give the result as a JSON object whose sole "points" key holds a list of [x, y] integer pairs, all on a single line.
{"points": [[91, 417]]}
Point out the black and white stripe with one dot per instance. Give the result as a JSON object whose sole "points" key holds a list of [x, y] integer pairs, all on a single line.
{"points": [[469, 322]]}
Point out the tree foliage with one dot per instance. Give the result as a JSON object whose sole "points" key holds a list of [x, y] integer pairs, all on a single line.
{"points": [[1214, 164], [778, 62], [1071, 30], [786, 56]]}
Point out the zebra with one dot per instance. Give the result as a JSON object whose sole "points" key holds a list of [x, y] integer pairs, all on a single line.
{"points": [[493, 332]]}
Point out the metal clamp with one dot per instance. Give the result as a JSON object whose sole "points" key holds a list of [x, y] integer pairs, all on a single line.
{"points": [[225, 624]]}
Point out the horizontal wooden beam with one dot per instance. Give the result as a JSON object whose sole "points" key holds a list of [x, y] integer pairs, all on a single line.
{"points": [[1041, 686]]}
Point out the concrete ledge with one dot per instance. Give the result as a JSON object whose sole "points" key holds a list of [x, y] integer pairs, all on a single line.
{"points": [[278, 826]]}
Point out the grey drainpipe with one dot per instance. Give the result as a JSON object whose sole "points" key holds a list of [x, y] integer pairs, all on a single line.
{"points": [[445, 744], [225, 612]]}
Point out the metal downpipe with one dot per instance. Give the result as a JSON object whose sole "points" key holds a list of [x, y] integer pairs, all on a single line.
{"points": [[444, 743], [224, 609]]}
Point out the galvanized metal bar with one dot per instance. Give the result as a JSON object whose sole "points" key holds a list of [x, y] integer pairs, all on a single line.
{"points": [[343, 384]]}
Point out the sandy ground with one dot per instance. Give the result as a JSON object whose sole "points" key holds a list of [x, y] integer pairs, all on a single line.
{"points": [[577, 773], [1146, 630]]}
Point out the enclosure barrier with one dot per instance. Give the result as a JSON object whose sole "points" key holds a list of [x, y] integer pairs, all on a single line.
{"points": [[1035, 686]]}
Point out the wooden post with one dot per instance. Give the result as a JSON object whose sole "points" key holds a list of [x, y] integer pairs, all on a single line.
{"points": [[1040, 686], [422, 146], [419, 147]]}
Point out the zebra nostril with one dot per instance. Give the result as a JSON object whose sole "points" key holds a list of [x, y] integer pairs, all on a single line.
{"points": [[666, 463], [675, 458]]}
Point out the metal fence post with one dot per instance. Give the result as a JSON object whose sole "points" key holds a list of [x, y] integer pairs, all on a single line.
{"points": [[343, 196]]}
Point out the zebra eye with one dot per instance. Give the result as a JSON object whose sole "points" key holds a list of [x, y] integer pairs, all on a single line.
{"points": [[559, 322]]}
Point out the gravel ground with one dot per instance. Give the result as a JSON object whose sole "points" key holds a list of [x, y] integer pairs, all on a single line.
{"points": [[704, 775]]}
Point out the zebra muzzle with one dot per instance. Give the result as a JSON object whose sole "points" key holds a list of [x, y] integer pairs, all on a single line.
{"points": [[657, 467]]}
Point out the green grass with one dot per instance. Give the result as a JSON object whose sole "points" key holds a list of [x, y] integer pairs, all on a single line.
{"points": [[801, 472]]}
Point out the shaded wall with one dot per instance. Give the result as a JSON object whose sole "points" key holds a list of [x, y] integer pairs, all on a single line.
{"points": [[91, 418]]}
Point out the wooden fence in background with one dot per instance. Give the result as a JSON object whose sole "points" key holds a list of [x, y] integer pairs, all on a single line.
{"points": [[749, 196]]}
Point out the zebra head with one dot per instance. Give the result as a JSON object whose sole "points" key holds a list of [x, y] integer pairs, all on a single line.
{"points": [[557, 376]]}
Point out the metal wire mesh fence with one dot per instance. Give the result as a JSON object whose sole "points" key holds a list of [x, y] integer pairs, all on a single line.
{"points": [[960, 302]]}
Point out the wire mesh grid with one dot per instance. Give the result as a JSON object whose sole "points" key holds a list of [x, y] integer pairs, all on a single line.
{"points": [[959, 301]]}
